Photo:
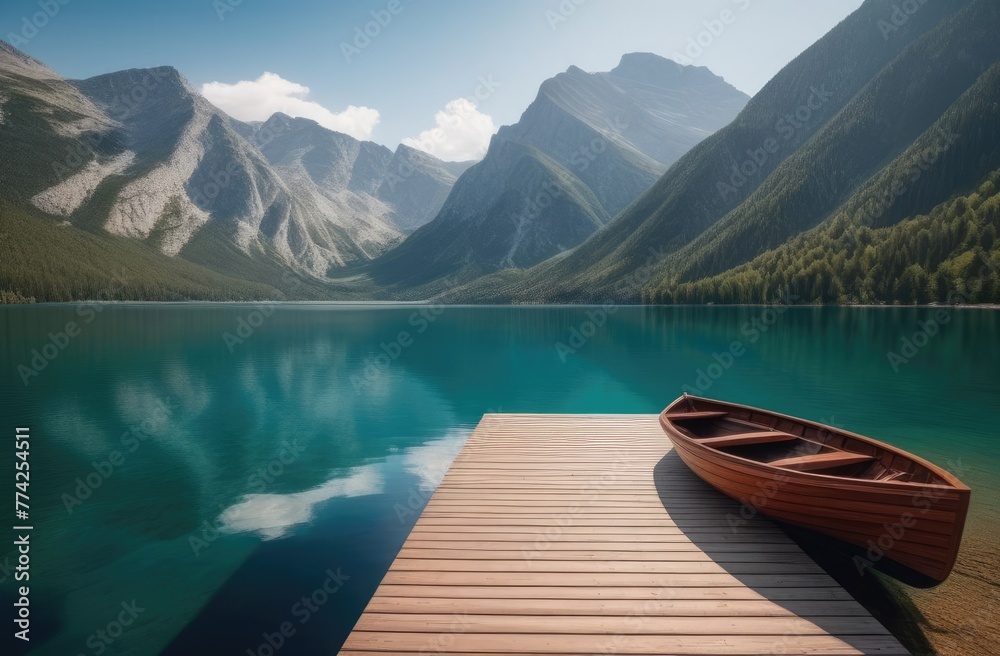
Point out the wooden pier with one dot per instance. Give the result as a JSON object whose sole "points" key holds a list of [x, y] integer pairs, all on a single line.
{"points": [[585, 534]]}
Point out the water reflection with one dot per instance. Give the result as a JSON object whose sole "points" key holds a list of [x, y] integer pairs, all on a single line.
{"points": [[272, 515], [196, 423]]}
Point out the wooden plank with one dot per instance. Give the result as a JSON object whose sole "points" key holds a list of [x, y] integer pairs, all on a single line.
{"points": [[679, 580], [614, 556], [778, 595], [776, 537], [704, 414], [740, 439], [621, 607], [783, 547], [614, 624], [557, 535], [481, 644], [821, 461], [522, 564]]}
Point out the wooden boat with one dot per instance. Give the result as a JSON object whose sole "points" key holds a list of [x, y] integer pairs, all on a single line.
{"points": [[902, 515]]}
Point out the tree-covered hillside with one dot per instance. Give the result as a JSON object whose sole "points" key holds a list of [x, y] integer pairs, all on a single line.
{"points": [[950, 255]]}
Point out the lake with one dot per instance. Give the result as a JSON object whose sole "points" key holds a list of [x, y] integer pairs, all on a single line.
{"points": [[201, 473]]}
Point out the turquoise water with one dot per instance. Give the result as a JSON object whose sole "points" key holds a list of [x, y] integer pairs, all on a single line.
{"points": [[209, 474]]}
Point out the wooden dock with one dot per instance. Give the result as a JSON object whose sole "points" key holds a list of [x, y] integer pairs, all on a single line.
{"points": [[585, 534]]}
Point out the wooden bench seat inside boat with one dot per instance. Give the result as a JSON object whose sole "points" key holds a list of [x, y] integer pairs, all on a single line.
{"points": [[739, 439], [816, 461], [707, 414]]}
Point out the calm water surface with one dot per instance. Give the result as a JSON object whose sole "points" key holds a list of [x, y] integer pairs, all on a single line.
{"points": [[210, 484]]}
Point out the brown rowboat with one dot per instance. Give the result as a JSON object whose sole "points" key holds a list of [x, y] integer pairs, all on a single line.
{"points": [[903, 515]]}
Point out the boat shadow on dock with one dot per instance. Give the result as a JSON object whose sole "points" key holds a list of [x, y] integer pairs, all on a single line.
{"points": [[881, 599]]}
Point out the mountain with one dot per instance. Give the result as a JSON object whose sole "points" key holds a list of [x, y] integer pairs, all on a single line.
{"points": [[139, 154], [338, 175], [47, 126], [944, 248], [416, 186], [587, 146], [865, 171], [817, 135]]}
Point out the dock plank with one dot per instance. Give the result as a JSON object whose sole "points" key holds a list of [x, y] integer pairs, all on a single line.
{"points": [[560, 534]]}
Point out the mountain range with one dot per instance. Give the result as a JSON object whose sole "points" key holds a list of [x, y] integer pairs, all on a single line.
{"points": [[588, 145], [865, 171], [840, 136], [140, 154]]}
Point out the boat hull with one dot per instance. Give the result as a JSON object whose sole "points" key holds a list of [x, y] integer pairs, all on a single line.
{"points": [[890, 524]]}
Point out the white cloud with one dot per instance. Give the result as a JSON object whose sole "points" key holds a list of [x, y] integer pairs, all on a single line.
{"points": [[257, 100], [461, 133]]}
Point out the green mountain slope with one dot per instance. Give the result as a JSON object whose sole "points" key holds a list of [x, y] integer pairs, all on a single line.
{"points": [[883, 119], [740, 174], [950, 255], [864, 254], [46, 261]]}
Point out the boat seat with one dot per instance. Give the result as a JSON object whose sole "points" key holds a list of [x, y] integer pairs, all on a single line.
{"points": [[739, 439], [704, 414], [821, 461]]}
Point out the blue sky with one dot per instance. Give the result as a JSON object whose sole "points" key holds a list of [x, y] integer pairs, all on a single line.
{"points": [[430, 56]]}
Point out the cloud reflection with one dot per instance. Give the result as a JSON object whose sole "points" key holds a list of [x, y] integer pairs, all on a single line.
{"points": [[429, 462], [271, 516]]}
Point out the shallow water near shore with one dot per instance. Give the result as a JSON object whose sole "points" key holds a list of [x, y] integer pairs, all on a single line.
{"points": [[224, 471]]}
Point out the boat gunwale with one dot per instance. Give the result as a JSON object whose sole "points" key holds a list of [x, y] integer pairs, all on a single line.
{"points": [[952, 483]]}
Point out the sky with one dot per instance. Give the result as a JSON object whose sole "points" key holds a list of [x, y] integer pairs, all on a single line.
{"points": [[440, 75]]}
